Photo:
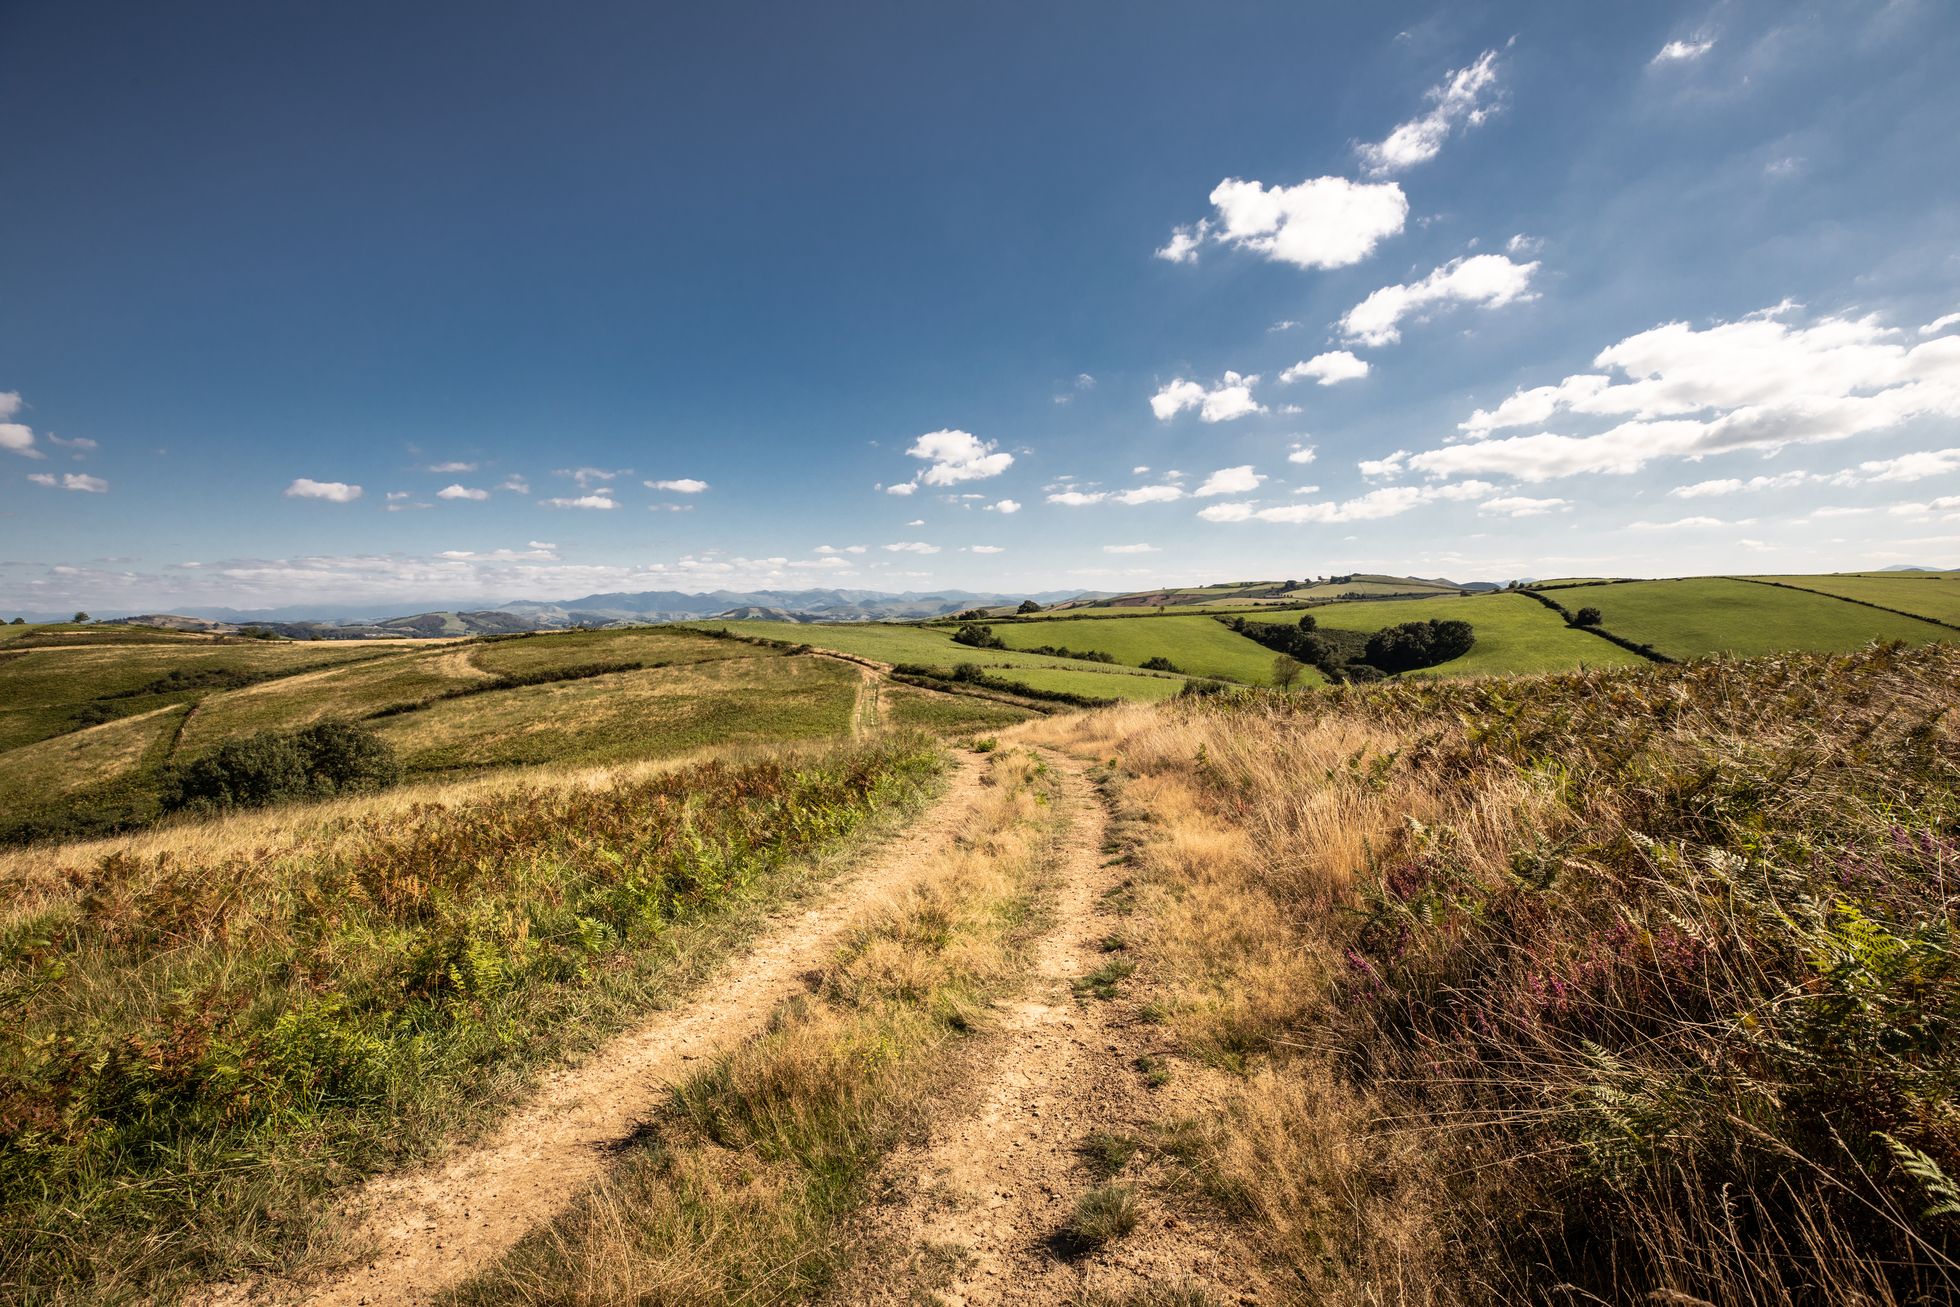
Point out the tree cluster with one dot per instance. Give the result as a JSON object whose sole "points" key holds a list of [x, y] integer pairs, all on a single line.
{"points": [[272, 766]]}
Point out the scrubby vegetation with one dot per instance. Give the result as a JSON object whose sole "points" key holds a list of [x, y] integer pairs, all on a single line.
{"points": [[204, 1041], [323, 760], [1618, 987], [1351, 656]]}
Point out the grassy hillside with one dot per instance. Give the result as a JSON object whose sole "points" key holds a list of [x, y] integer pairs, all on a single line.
{"points": [[1705, 615], [209, 1037], [1636, 986], [1196, 644], [1515, 633], [1928, 594]]}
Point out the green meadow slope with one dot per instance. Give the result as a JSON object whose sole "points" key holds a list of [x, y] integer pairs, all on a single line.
{"points": [[1706, 615]]}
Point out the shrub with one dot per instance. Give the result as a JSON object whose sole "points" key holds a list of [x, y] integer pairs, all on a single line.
{"points": [[1587, 617], [269, 767], [1286, 671], [1308, 621], [1159, 664], [1028, 606], [976, 636], [1418, 644]]}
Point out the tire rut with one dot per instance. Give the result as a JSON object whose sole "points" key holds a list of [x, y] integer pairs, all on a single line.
{"points": [[432, 1228]]}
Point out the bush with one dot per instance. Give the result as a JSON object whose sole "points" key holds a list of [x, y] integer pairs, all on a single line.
{"points": [[976, 636], [1308, 621], [1587, 617], [1411, 645], [270, 767], [1160, 664], [1028, 606]]}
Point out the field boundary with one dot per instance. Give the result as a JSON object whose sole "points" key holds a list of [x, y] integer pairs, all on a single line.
{"points": [[1646, 651], [1862, 603]]}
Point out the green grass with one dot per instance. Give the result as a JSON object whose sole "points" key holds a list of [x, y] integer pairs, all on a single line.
{"points": [[1197, 645], [1704, 615], [206, 1041], [651, 646], [1515, 633], [946, 714], [348, 693], [929, 646], [628, 715], [1935, 595], [1146, 687]]}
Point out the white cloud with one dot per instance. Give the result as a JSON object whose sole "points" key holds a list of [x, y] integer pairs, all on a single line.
{"points": [[404, 508], [1328, 369], [1230, 481], [910, 547], [833, 549], [585, 476], [10, 403], [79, 442], [1077, 498], [917, 521], [545, 545], [1229, 400], [598, 499], [1004, 506], [517, 484], [900, 488], [1324, 222], [1754, 384], [953, 457], [679, 485], [1084, 381], [1302, 454], [1390, 501], [394, 495], [1520, 506], [670, 508], [1679, 523], [1490, 280], [1389, 466], [1149, 495], [461, 492], [70, 481], [338, 492], [452, 467], [986, 549], [1130, 549], [1932, 328], [1680, 52], [1735, 485], [1523, 244], [1912, 467], [1183, 245], [1467, 95]]}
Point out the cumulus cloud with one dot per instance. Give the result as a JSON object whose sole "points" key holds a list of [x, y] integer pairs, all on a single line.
{"points": [[1932, 328], [1149, 495], [517, 485], [79, 442], [1230, 481], [15, 437], [953, 457], [1489, 280], [585, 476], [1004, 506], [338, 492], [1736, 485], [834, 549], [452, 467], [461, 492], [1467, 96], [1328, 369], [1324, 222], [678, 485], [1681, 52], [1077, 498], [1911, 467], [1759, 383], [1388, 466], [986, 549], [1678, 524], [1230, 399], [900, 488], [72, 481], [910, 547], [1130, 549], [1302, 454], [600, 499]]}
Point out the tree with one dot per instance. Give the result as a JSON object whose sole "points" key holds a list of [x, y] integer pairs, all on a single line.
{"points": [[1286, 671], [975, 636], [1028, 606], [18, 621], [1159, 664], [1308, 621], [79, 616], [1587, 617]]}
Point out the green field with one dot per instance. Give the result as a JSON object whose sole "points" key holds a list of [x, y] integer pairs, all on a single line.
{"points": [[1515, 633], [1929, 594], [1705, 615], [1145, 686], [1197, 645]]}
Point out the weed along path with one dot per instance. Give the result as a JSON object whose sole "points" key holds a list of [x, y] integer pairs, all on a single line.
{"points": [[424, 1232], [1011, 1199]]}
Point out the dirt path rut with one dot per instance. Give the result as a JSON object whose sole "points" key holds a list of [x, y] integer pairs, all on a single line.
{"points": [[433, 1228], [981, 1213]]}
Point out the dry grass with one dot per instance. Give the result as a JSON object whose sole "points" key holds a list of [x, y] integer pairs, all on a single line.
{"points": [[740, 1190], [1617, 987]]}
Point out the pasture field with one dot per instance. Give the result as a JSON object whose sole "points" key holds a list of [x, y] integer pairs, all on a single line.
{"points": [[1197, 645], [650, 646], [1515, 633], [727, 702], [910, 708], [1146, 687], [1928, 594], [1705, 615]]}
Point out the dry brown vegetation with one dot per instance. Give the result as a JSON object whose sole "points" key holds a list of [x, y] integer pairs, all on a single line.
{"points": [[1615, 987]]}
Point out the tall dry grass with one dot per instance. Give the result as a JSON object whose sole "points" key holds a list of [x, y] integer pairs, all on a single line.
{"points": [[1613, 987], [741, 1188]]}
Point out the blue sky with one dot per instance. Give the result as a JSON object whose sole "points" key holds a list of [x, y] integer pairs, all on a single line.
{"points": [[1007, 297]]}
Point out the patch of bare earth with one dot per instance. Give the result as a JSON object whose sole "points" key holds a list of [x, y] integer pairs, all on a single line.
{"points": [[426, 1231], [984, 1211]]}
